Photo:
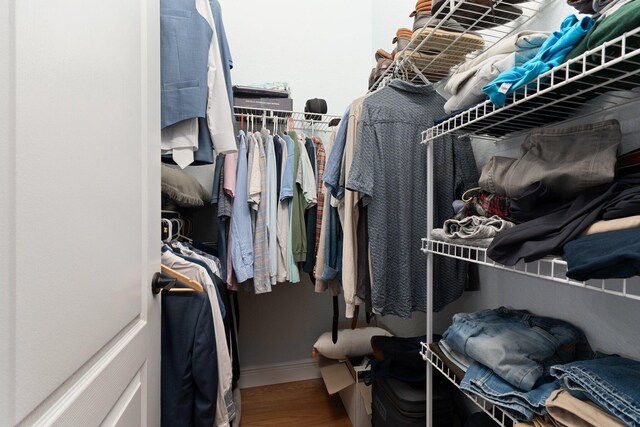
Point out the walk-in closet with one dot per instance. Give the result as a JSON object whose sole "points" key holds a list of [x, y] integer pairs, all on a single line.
{"points": [[377, 213]]}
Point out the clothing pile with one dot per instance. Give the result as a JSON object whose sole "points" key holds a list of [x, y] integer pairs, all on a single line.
{"points": [[562, 196], [196, 98], [538, 369], [199, 346], [511, 64], [268, 197], [370, 228]]}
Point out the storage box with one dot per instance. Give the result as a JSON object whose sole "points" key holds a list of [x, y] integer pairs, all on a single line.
{"points": [[342, 377], [262, 99], [285, 104]]}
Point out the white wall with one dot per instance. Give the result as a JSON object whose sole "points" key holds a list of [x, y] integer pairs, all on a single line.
{"points": [[324, 50]]}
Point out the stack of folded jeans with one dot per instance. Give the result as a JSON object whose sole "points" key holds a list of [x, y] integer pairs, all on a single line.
{"points": [[513, 351], [610, 382], [465, 85]]}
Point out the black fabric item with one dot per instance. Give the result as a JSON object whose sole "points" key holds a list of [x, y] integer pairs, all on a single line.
{"points": [[334, 323], [334, 122], [627, 204], [610, 255], [189, 368], [363, 282], [534, 202], [278, 149], [402, 359], [547, 234], [451, 178], [480, 419], [315, 105], [397, 403]]}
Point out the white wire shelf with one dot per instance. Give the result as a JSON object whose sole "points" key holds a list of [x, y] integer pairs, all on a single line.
{"points": [[489, 408], [549, 268], [285, 119], [434, 50], [561, 93]]}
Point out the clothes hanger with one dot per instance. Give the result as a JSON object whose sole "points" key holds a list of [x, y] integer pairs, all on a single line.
{"points": [[169, 229], [192, 285]]}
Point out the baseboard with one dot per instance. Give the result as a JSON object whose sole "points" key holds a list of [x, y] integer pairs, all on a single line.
{"points": [[296, 370]]}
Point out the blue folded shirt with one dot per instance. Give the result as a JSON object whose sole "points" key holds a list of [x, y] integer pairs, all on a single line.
{"points": [[551, 54]]}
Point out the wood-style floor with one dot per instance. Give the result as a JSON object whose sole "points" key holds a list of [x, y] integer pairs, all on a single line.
{"points": [[301, 403]]}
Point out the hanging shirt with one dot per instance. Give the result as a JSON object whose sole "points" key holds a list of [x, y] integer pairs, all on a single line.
{"points": [[331, 175], [223, 45], [312, 212], [271, 197], [254, 171], [219, 117], [241, 235], [261, 276], [277, 145], [389, 168], [349, 207], [283, 226], [320, 159], [322, 285], [296, 210], [298, 228]]}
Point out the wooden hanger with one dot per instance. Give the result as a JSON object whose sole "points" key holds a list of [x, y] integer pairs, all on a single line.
{"points": [[192, 284]]}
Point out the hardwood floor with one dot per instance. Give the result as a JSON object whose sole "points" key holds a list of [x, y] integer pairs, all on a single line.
{"points": [[301, 403]]}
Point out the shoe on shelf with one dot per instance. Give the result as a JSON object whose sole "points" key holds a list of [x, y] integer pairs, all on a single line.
{"points": [[381, 53], [402, 38], [421, 6]]}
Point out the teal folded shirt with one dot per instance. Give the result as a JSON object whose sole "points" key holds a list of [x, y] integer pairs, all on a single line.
{"points": [[551, 54]]}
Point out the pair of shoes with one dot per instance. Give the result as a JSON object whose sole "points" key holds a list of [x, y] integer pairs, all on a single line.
{"points": [[421, 6], [402, 38], [479, 14], [450, 37], [384, 60]]}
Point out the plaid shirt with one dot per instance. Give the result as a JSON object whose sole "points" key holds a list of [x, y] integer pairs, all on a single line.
{"points": [[320, 160]]}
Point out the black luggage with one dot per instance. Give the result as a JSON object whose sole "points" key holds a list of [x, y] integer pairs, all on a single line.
{"points": [[399, 404]]}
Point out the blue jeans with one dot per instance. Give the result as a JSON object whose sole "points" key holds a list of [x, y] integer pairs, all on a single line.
{"points": [[516, 345], [611, 382], [522, 405]]}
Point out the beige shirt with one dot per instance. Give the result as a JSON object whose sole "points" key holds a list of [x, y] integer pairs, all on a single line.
{"points": [[349, 208]]}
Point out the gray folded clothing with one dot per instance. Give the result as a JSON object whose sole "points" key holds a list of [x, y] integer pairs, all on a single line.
{"points": [[567, 161], [473, 230]]}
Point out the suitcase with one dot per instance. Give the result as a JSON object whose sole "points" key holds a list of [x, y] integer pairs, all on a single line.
{"points": [[399, 404]]}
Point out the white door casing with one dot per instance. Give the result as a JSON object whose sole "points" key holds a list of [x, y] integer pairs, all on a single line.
{"points": [[79, 210]]}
